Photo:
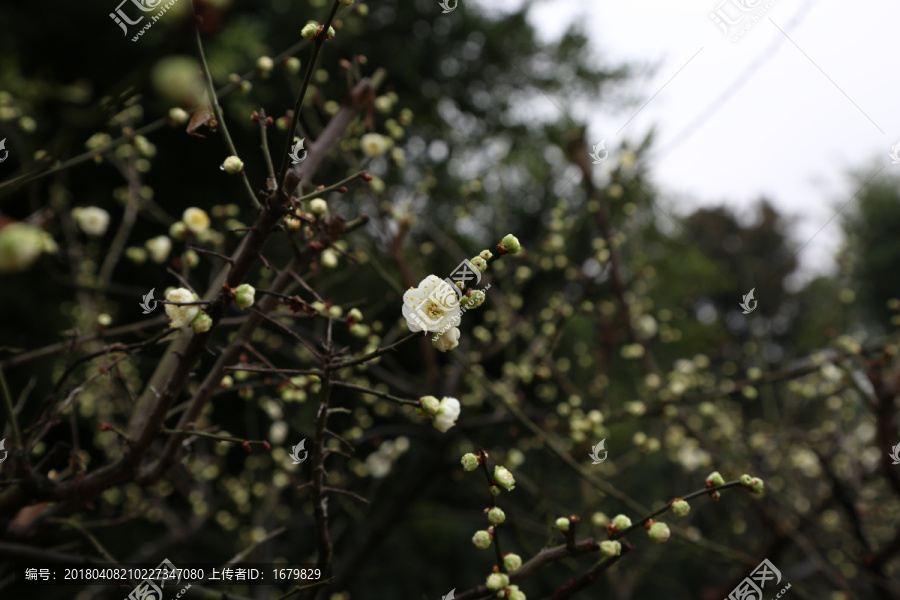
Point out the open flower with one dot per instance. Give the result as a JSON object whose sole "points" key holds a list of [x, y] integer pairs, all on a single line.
{"points": [[196, 219], [159, 248], [447, 340], [374, 144], [447, 414], [181, 316], [433, 306], [92, 220]]}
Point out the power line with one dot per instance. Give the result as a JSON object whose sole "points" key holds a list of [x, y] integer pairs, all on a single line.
{"points": [[713, 107]]}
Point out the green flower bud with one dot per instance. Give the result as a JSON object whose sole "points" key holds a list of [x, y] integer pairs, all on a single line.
{"points": [[681, 508], [495, 491], [136, 255], [496, 516], [201, 323], [504, 478], [746, 480], [714, 480], [264, 65], [621, 522], [178, 116], [359, 330], [610, 548], [309, 30], [512, 562], [469, 461], [516, 595], [486, 254], [756, 485], [429, 405], [481, 539], [355, 315], [562, 524], [473, 301], [497, 581], [318, 207], [510, 244], [244, 295], [479, 263], [659, 532], [233, 165], [292, 64]]}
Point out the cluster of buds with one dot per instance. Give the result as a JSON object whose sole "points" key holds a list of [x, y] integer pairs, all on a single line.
{"points": [[754, 484], [312, 30]]}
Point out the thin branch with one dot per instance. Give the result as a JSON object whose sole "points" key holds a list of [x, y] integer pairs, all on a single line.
{"points": [[385, 395], [214, 101]]}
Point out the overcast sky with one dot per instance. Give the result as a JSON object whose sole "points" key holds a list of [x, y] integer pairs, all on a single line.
{"points": [[810, 90]]}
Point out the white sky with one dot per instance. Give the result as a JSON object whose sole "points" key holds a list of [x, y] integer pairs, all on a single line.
{"points": [[786, 131]]}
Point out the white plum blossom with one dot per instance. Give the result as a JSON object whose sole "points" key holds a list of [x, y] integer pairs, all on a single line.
{"points": [[196, 219], [433, 306], [447, 340], [159, 248], [374, 144], [181, 315], [92, 220], [447, 414]]}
